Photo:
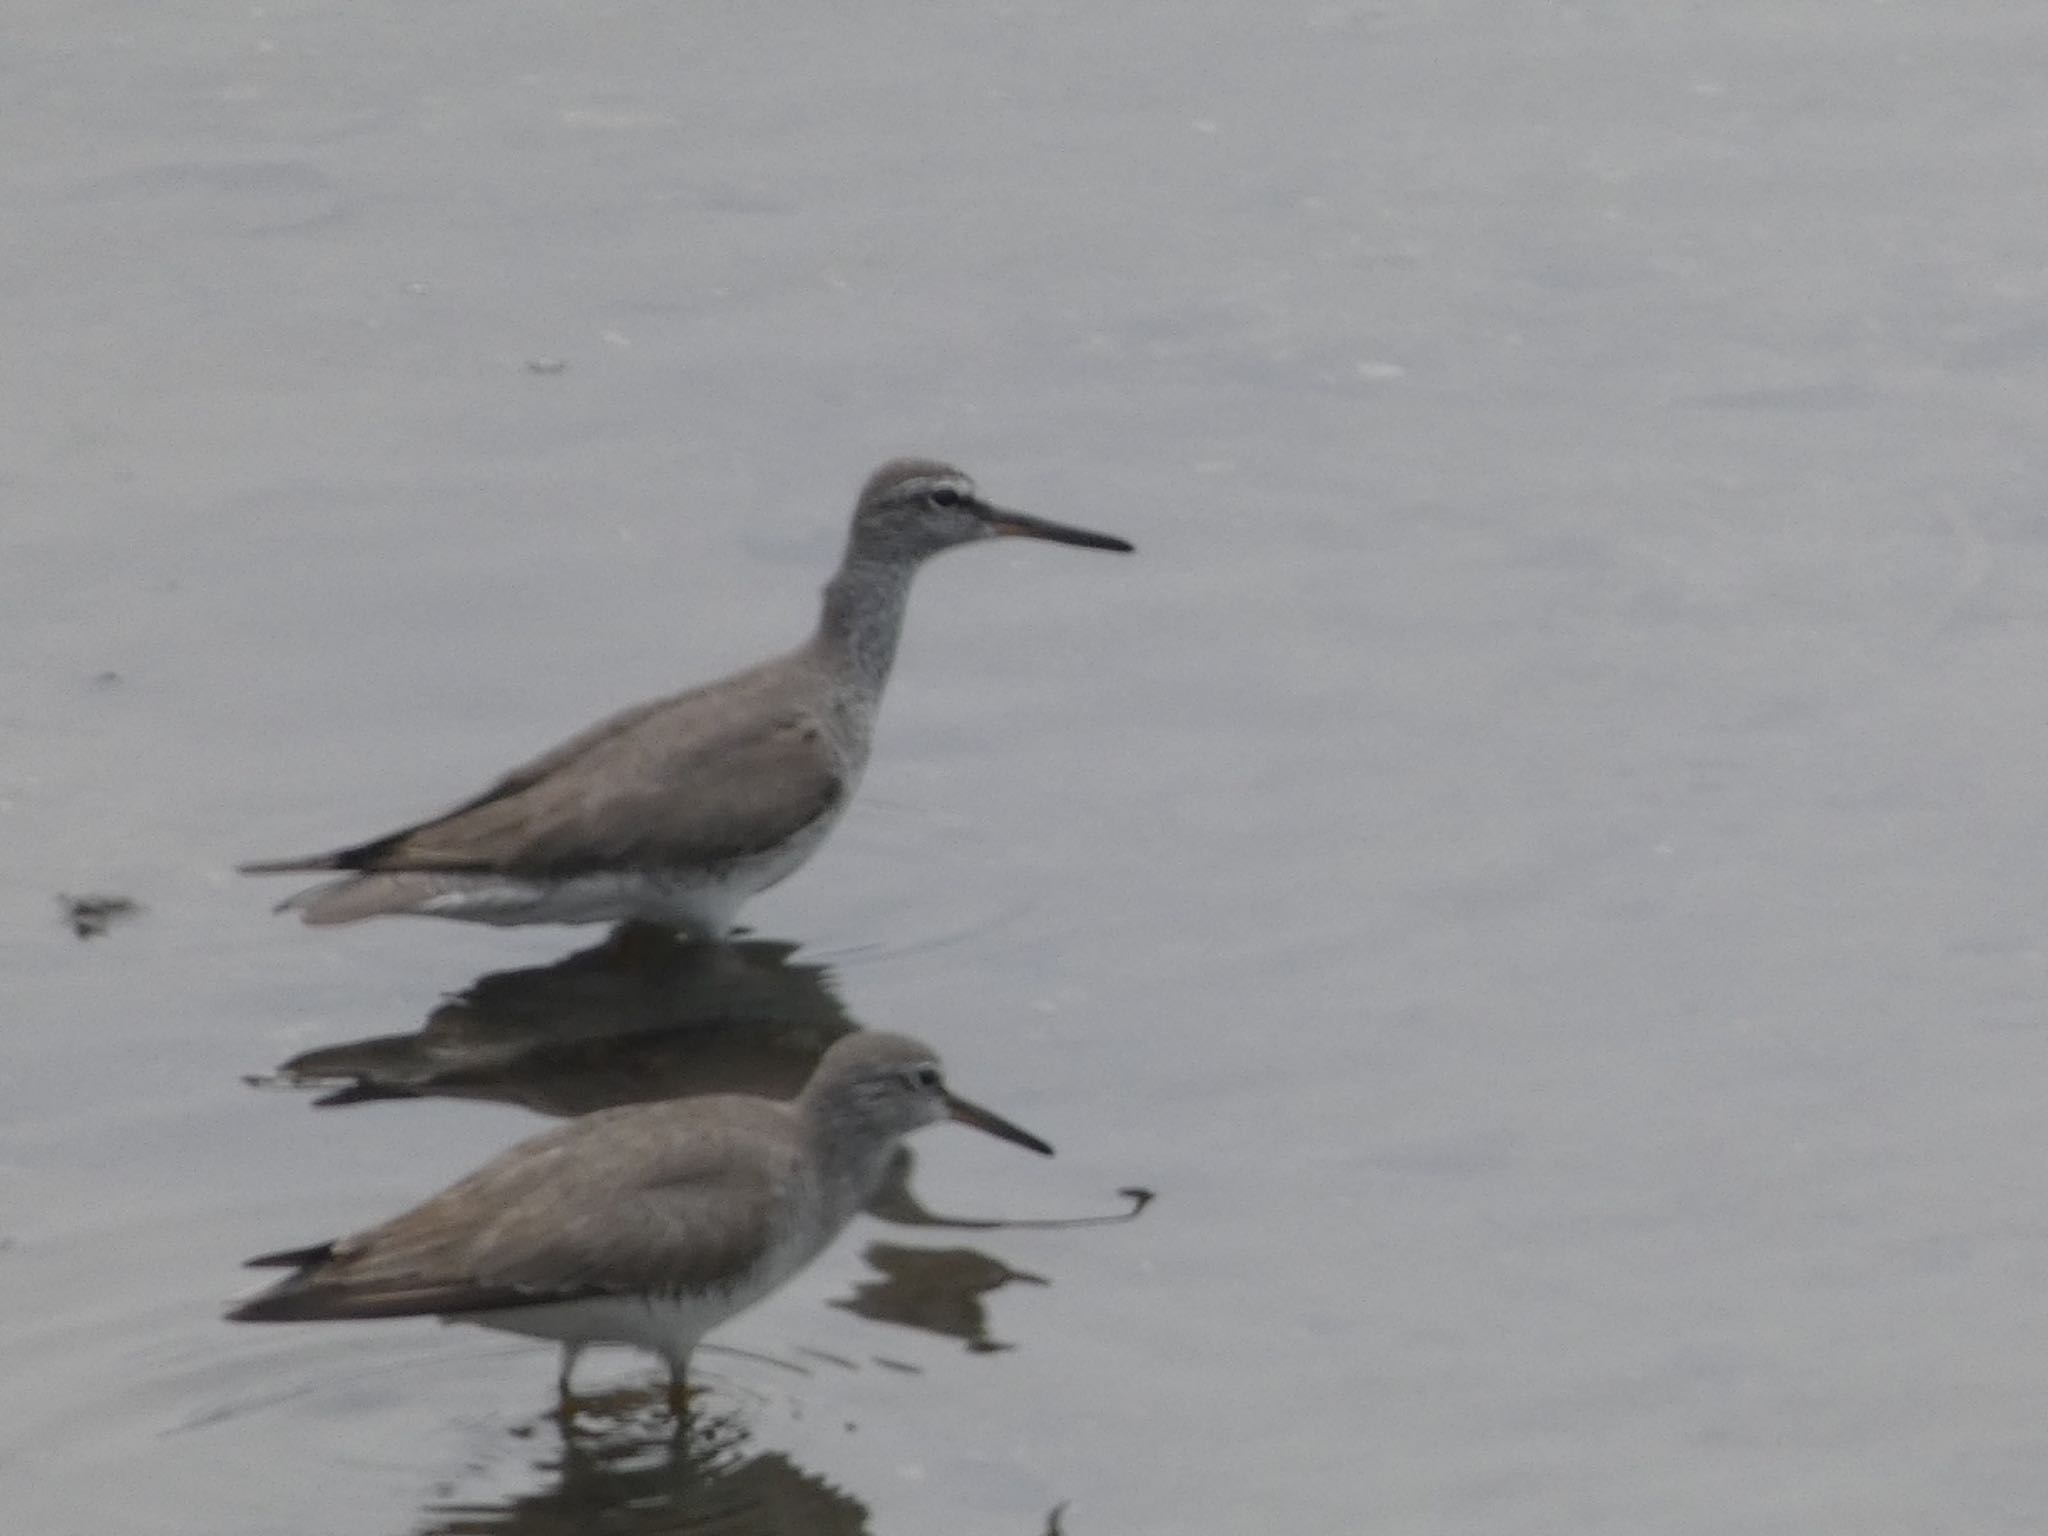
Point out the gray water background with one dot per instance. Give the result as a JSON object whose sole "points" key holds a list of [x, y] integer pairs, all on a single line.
{"points": [[1537, 860]]}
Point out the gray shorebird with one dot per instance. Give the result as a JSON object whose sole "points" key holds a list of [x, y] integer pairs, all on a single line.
{"points": [[647, 1225], [677, 810]]}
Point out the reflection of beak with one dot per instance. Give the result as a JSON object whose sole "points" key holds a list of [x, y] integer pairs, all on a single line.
{"points": [[995, 1125], [1024, 526]]}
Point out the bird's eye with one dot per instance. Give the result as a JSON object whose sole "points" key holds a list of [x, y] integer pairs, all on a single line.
{"points": [[926, 1077], [944, 496]]}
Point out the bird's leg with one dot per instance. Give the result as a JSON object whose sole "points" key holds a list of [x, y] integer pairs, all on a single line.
{"points": [[679, 1389], [565, 1395]]}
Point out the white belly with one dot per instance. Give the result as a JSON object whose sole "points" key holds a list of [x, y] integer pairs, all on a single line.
{"points": [[662, 1326], [669, 1326], [702, 901]]}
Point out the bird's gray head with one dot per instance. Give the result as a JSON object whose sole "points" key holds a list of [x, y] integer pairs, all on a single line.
{"points": [[913, 508], [890, 1085]]}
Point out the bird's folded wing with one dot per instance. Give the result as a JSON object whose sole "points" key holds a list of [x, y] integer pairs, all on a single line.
{"points": [[611, 1204], [649, 795]]}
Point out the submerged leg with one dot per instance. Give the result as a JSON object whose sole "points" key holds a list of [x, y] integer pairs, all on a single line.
{"points": [[565, 1395], [679, 1388]]}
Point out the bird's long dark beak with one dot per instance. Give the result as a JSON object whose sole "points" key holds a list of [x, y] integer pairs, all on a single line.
{"points": [[1023, 525], [995, 1125]]}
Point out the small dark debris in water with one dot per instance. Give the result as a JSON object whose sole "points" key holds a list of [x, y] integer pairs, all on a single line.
{"points": [[1139, 1197], [91, 916], [1055, 1522], [547, 365], [109, 679]]}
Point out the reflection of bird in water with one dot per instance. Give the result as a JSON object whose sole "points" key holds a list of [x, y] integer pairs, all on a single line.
{"points": [[644, 1224], [938, 1290], [625, 1481], [644, 1015], [678, 810]]}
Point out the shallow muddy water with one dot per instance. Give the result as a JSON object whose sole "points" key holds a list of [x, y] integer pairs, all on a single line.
{"points": [[1535, 861]]}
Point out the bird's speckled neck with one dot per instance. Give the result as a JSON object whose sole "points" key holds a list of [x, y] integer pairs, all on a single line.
{"points": [[852, 1153], [863, 618]]}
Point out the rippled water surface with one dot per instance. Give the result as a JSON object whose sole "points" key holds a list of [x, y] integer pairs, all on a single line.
{"points": [[1537, 860]]}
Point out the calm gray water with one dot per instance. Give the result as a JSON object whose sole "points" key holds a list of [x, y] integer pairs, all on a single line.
{"points": [[1537, 859]]}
